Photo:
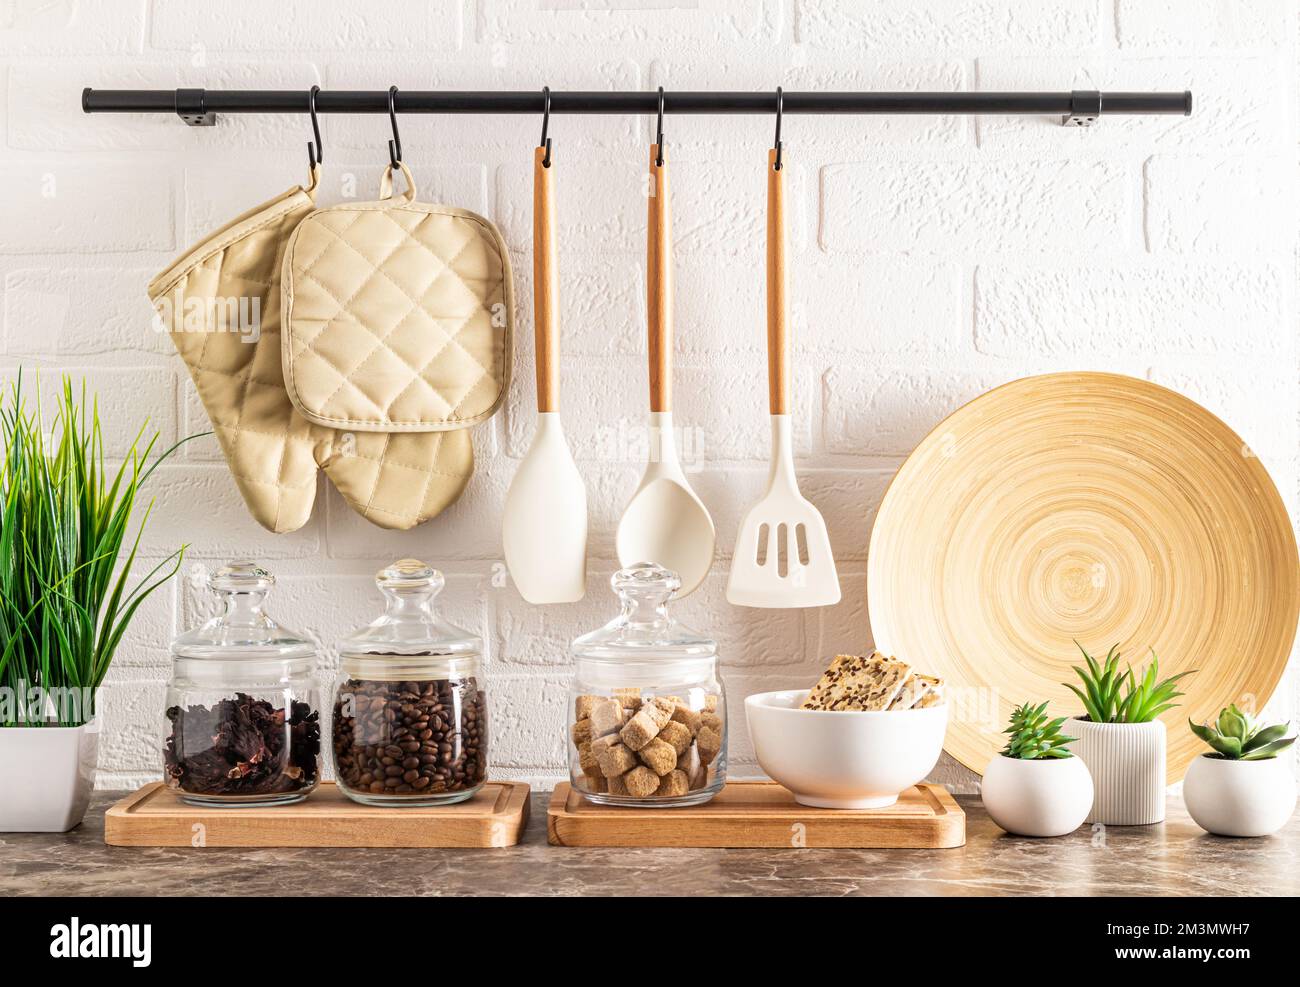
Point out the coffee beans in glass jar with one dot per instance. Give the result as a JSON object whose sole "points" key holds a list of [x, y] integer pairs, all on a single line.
{"points": [[410, 741], [410, 721]]}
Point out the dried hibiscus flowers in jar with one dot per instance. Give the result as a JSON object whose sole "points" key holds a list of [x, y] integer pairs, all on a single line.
{"points": [[242, 707], [243, 747]]}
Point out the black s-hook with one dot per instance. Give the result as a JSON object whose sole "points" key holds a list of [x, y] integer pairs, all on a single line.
{"points": [[659, 131], [394, 145], [546, 123], [780, 108], [316, 151]]}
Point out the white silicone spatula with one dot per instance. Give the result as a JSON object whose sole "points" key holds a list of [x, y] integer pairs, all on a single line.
{"points": [[544, 531], [783, 554], [665, 522]]}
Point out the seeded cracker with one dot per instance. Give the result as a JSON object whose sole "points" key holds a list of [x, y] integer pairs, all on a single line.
{"points": [[935, 696], [860, 683], [914, 688]]}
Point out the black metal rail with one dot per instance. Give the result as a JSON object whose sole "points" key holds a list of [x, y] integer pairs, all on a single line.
{"points": [[199, 106]]}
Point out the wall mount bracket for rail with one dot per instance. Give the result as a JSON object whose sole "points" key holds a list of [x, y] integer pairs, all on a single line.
{"points": [[1085, 108], [190, 107]]}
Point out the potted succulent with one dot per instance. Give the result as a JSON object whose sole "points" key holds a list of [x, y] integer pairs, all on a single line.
{"points": [[66, 599], [1120, 739], [1241, 787], [1035, 786]]}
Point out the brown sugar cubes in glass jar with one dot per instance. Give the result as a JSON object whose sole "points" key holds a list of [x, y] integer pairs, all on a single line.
{"points": [[410, 716], [647, 713]]}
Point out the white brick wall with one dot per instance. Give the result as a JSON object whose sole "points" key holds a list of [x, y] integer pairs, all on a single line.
{"points": [[931, 258]]}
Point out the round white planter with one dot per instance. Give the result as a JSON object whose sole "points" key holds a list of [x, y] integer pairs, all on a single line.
{"points": [[1127, 764], [1049, 797], [1239, 798], [46, 776]]}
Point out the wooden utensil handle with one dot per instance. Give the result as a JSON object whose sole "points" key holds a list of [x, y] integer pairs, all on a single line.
{"points": [[778, 334], [659, 285], [546, 298]]}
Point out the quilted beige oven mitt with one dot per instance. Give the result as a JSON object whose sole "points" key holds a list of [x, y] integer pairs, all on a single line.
{"points": [[220, 303]]}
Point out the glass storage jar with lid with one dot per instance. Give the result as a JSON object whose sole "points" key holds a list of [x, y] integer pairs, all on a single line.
{"points": [[647, 711], [410, 716], [243, 717]]}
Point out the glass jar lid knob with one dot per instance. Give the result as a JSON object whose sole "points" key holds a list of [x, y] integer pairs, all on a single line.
{"points": [[644, 590], [242, 630], [242, 587], [409, 625], [410, 582], [644, 630]]}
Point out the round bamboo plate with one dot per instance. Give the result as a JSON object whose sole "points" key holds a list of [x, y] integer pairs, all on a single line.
{"points": [[1090, 507]]}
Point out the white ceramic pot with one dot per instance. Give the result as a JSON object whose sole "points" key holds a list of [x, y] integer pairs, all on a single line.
{"points": [[1047, 797], [46, 776], [1239, 798], [1127, 764], [843, 760]]}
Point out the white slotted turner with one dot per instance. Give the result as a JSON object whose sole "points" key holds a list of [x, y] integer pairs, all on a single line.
{"points": [[783, 553]]}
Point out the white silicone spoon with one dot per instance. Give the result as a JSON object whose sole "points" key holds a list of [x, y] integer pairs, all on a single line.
{"points": [[544, 531], [665, 522]]}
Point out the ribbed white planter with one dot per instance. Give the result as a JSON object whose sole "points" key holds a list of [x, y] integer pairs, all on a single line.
{"points": [[46, 776], [1127, 764]]}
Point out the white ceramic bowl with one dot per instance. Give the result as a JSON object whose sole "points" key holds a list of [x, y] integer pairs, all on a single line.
{"points": [[843, 760]]}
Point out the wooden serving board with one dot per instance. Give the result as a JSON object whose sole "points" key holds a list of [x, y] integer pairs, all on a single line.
{"points": [[155, 816], [759, 814]]}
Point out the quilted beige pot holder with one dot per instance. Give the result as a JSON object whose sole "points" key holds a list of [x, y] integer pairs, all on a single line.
{"points": [[397, 315], [394, 480]]}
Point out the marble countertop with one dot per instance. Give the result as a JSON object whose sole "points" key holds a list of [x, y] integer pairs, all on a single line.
{"points": [[1173, 858]]}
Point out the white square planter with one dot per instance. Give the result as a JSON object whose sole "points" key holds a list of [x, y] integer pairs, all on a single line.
{"points": [[46, 776]]}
